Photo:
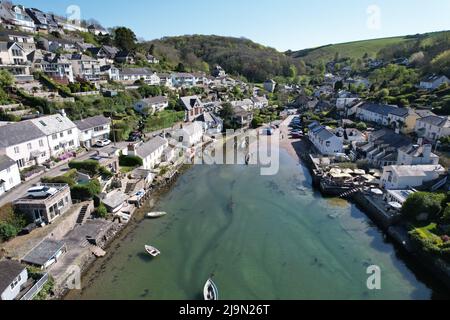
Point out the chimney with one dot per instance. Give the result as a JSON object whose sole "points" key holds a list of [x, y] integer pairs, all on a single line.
{"points": [[397, 131], [427, 153], [63, 113]]}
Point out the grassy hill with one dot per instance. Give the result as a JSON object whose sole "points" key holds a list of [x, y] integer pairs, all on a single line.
{"points": [[356, 49], [432, 43]]}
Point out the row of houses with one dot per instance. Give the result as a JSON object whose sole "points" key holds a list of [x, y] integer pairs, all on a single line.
{"points": [[35, 142]]}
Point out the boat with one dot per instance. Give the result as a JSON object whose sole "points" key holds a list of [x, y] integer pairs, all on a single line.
{"points": [[152, 251], [153, 215], [210, 291]]}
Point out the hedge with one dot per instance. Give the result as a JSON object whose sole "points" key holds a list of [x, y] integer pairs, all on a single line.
{"points": [[68, 178], [91, 167], [130, 161], [86, 191]]}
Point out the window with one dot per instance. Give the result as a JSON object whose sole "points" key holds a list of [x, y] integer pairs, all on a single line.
{"points": [[56, 148], [29, 146], [54, 136], [16, 150], [11, 180], [8, 170], [59, 119], [69, 132], [43, 123], [71, 143], [61, 134], [41, 143]]}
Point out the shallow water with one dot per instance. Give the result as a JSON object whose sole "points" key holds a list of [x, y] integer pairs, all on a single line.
{"points": [[260, 237]]}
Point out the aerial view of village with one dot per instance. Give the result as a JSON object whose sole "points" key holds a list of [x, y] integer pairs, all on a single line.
{"points": [[189, 151]]}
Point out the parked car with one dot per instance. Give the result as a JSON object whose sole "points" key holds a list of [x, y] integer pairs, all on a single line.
{"points": [[103, 143], [41, 192]]}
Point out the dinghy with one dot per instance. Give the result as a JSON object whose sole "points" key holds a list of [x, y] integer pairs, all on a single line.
{"points": [[154, 215], [210, 291], [152, 251]]}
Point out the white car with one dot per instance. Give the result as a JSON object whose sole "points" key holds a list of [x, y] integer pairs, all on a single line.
{"points": [[41, 192], [103, 143]]}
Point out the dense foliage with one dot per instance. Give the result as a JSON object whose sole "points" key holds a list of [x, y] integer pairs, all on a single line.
{"points": [[86, 191], [237, 56], [11, 223], [424, 203], [130, 161]]}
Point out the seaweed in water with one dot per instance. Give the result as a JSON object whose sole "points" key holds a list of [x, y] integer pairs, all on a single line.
{"points": [[273, 186], [231, 206], [145, 294]]}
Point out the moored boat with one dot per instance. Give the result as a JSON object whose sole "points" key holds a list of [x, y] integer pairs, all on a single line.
{"points": [[210, 291], [153, 215], [152, 251]]}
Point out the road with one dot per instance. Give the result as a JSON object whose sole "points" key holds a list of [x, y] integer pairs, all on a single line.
{"points": [[21, 189]]}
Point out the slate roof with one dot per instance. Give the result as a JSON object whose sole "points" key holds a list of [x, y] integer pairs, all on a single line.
{"points": [[136, 71], [190, 101], [433, 78], [17, 133], [92, 122], [155, 100], [6, 162], [44, 252], [384, 109], [9, 270], [147, 148], [53, 124], [437, 121]]}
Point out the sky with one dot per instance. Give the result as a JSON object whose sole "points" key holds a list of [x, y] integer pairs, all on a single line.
{"points": [[281, 24]]}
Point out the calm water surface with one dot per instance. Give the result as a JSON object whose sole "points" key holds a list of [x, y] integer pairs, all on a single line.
{"points": [[260, 237]]}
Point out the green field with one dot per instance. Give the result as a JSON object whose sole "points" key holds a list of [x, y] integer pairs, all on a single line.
{"points": [[354, 50], [164, 119]]}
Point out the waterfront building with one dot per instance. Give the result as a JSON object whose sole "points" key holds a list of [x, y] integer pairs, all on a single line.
{"points": [[9, 174], [150, 152], [47, 208], [13, 275], [402, 177]]}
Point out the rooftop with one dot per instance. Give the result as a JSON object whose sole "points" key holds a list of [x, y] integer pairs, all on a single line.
{"points": [[9, 270], [6, 162], [92, 122], [17, 133], [147, 148], [43, 252]]}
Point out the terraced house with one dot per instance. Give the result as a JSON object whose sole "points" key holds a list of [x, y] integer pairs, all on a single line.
{"points": [[93, 129]]}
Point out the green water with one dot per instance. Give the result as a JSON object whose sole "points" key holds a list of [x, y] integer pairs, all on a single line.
{"points": [[260, 237]]}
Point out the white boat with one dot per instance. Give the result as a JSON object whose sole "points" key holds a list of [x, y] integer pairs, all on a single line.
{"points": [[153, 215], [210, 291], [152, 251]]}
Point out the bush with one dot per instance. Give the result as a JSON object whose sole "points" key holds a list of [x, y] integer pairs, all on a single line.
{"points": [[86, 191], [101, 211], [130, 161], [7, 231], [361, 126], [91, 167]]}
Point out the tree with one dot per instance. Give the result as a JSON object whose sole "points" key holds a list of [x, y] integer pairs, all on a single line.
{"points": [[101, 211], [125, 39], [180, 68], [7, 231], [6, 79], [339, 85], [423, 202], [361, 126]]}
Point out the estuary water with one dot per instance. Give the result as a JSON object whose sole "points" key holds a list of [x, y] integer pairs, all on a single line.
{"points": [[260, 237]]}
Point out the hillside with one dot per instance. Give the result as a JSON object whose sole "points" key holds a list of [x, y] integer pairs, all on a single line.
{"points": [[429, 46], [238, 56]]}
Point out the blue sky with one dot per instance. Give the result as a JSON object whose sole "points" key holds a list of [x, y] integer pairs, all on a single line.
{"points": [[282, 24]]}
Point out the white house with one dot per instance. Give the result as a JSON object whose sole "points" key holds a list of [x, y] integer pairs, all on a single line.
{"points": [[9, 174], [433, 127], [130, 75], [14, 59], [151, 105], [60, 132], [324, 140], [190, 134], [150, 152], [111, 72], [351, 135], [13, 276], [92, 129], [17, 16], [403, 177], [26, 41], [417, 155], [58, 68], [433, 82], [182, 79], [24, 143], [165, 80]]}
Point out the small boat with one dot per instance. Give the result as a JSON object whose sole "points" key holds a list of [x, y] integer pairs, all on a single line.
{"points": [[152, 251], [210, 291], [153, 215]]}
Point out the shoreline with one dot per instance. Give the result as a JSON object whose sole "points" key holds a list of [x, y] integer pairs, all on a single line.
{"points": [[95, 265]]}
